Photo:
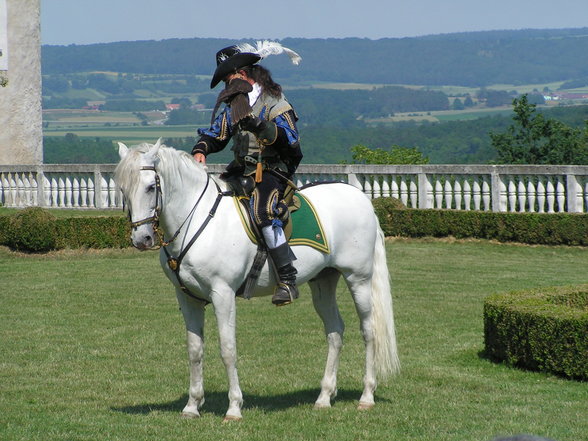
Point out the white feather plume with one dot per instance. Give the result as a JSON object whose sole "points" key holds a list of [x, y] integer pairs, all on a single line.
{"points": [[265, 48]]}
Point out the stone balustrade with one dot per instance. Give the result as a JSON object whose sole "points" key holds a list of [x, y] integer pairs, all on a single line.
{"points": [[515, 188]]}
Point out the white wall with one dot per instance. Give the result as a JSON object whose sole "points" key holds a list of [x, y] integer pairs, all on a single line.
{"points": [[21, 131]]}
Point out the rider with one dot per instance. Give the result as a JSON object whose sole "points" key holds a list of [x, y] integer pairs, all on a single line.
{"points": [[266, 145]]}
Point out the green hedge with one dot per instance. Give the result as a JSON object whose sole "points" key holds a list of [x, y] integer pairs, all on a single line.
{"points": [[530, 228], [543, 329], [395, 219], [36, 230]]}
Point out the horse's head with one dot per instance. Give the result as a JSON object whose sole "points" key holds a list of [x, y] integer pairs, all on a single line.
{"points": [[139, 182]]}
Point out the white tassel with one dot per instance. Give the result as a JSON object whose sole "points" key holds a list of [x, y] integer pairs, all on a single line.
{"points": [[265, 48]]}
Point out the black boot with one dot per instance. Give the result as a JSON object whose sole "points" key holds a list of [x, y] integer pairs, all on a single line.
{"points": [[286, 290]]}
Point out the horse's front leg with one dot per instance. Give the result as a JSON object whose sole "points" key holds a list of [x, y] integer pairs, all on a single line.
{"points": [[225, 310], [193, 313]]}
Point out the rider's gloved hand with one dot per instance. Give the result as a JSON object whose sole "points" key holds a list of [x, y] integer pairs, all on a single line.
{"points": [[252, 124]]}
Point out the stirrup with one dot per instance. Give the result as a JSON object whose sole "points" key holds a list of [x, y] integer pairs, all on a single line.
{"points": [[284, 294]]}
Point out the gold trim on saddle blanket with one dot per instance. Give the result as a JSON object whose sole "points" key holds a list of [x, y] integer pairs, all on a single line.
{"points": [[307, 230]]}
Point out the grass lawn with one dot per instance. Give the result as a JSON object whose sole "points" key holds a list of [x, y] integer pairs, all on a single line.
{"points": [[4, 211], [92, 348]]}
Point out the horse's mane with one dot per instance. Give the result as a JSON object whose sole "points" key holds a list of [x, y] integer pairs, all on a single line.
{"points": [[176, 164]]}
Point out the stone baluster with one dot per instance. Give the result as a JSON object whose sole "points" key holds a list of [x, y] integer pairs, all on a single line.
{"points": [[531, 194], [413, 190], [503, 198], [486, 193], [541, 194], [512, 194], [27, 200], [467, 194], [68, 192], [61, 190], [448, 194], [477, 194], [403, 190], [377, 189], [111, 195], [75, 192], [430, 196], [34, 190], [395, 188], [103, 192], [20, 193], [550, 196], [13, 192], [352, 179], [47, 190], [438, 193], [560, 195], [385, 187], [91, 193], [522, 194], [83, 192], [457, 195], [367, 188]]}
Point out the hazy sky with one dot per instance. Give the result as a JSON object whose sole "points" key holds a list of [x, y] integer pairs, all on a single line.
{"points": [[96, 21]]}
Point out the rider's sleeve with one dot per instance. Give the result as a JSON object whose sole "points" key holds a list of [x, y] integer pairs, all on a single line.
{"points": [[287, 141], [287, 131], [215, 138], [284, 133]]}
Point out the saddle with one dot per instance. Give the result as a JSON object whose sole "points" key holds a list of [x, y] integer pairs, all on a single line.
{"points": [[302, 225]]}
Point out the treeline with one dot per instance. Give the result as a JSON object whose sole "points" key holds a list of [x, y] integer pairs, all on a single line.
{"points": [[344, 108], [457, 142], [72, 149], [468, 59]]}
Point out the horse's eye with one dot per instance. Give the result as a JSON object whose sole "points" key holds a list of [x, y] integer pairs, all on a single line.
{"points": [[151, 188]]}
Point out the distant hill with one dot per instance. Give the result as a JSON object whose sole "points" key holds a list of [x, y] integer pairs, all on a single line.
{"points": [[474, 59]]}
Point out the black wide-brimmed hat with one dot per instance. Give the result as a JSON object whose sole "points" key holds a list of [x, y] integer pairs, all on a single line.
{"points": [[233, 58]]}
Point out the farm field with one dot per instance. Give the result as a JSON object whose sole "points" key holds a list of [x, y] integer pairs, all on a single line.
{"points": [[92, 347], [124, 132]]}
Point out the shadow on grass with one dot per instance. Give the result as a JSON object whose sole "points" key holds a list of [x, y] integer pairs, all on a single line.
{"points": [[217, 402]]}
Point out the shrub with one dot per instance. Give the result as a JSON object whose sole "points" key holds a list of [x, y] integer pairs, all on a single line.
{"points": [[32, 229], [384, 207], [543, 329], [530, 228], [94, 232]]}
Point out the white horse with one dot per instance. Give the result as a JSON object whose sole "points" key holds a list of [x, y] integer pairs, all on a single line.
{"points": [[166, 187]]}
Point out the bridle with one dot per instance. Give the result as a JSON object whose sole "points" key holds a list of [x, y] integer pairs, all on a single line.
{"points": [[154, 220], [174, 262]]}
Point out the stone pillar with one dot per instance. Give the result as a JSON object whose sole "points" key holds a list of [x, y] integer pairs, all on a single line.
{"points": [[21, 121]]}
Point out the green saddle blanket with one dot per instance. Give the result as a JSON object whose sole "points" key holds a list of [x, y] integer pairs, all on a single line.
{"points": [[304, 227]]}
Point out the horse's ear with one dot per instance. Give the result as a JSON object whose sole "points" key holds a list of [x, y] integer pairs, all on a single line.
{"points": [[153, 150], [122, 150]]}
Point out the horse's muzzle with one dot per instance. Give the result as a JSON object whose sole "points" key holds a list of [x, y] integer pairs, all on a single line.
{"points": [[143, 241]]}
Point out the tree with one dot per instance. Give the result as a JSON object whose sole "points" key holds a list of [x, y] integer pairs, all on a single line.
{"points": [[396, 155], [457, 104], [468, 102], [533, 139]]}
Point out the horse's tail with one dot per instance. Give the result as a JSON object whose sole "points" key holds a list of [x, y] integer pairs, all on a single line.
{"points": [[386, 354]]}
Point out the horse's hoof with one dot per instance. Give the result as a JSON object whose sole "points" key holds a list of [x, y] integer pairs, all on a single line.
{"points": [[364, 406], [230, 418], [318, 406], [189, 415]]}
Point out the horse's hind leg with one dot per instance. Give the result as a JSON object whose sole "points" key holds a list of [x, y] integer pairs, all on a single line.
{"points": [[324, 298], [361, 290]]}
